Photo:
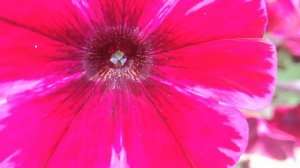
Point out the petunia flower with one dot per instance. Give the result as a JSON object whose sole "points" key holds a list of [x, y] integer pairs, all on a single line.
{"points": [[284, 24], [287, 119], [268, 141], [131, 83]]}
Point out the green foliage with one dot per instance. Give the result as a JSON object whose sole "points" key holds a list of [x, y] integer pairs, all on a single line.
{"points": [[288, 71], [287, 68]]}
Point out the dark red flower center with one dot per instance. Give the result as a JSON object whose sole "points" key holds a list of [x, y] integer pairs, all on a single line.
{"points": [[117, 53]]}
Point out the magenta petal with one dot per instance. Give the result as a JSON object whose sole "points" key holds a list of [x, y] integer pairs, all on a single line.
{"points": [[287, 119], [51, 18], [283, 16], [55, 19], [284, 23], [62, 129], [145, 14], [269, 141], [293, 44], [240, 72], [33, 57], [196, 21], [162, 127], [168, 128]]}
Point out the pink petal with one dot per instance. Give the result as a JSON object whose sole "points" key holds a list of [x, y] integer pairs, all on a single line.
{"points": [[26, 55], [144, 14], [164, 127], [68, 128], [54, 32], [284, 23], [173, 16], [56, 20], [80, 126], [239, 72], [287, 119], [266, 140], [196, 21], [293, 44], [283, 15], [59, 20]]}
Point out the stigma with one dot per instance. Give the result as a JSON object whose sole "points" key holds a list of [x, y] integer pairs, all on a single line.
{"points": [[118, 59]]}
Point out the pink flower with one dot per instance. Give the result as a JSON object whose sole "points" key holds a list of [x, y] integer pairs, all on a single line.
{"points": [[268, 141], [284, 23], [132, 83], [287, 119]]}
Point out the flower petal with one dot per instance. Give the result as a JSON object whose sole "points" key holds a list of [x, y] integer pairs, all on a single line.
{"points": [[70, 18], [196, 21], [54, 37], [287, 119], [283, 16], [239, 72], [165, 127], [65, 123], [34, 56], [292, 43], [120, 128], [64, 21], [265, 140], [138, 13], [284, 24]]}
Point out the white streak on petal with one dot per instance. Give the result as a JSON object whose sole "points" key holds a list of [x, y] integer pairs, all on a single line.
{"points": [[9, 89], [80, 3], [118, 159], [199, 6], [161, 15], [85, 9], [7, 162], [15, 87], [4, 108]]}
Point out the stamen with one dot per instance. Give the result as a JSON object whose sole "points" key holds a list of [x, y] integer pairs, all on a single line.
{"points": [[118, 58]]}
